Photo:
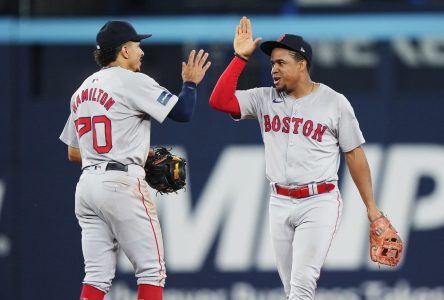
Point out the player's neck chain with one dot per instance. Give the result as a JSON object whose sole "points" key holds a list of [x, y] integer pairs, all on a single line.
{"points": [[305, 94], [312, 87]]}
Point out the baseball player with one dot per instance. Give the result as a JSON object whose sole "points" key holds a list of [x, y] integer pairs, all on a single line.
{"points": [[108, 131], [303, 126]]}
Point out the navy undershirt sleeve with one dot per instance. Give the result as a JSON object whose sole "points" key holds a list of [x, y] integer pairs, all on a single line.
{"points": [[184, 108]]}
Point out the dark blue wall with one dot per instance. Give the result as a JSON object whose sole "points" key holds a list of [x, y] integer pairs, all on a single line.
{"points": [[40, 252]]}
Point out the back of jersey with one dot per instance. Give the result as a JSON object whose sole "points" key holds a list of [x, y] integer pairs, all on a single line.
{"points": [[111, 115]]}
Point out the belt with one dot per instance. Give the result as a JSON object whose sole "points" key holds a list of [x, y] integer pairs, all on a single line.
{"points": [[116, 166], [305, 191]]}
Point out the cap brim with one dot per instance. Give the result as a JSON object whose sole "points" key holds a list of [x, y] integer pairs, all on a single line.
{"points": [[140, 37], [267, 47]]}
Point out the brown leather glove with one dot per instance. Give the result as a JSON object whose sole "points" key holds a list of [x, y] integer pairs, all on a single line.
{"points": [[385, 244]]}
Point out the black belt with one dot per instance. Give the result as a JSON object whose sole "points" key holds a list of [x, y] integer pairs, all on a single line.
{"points": [[116, 166]]}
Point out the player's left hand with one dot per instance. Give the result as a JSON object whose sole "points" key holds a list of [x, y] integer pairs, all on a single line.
{"points": [[194, 70]]}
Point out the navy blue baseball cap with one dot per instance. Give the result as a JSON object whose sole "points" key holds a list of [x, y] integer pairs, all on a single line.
{"points": [[116, 33], [291, 42]]}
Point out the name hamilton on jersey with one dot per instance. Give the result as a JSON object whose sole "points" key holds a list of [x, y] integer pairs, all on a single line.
{"points": [[93, 94], [285, 124]]}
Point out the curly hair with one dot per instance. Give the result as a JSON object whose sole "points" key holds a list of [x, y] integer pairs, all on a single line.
{"points": [[105, 56]]}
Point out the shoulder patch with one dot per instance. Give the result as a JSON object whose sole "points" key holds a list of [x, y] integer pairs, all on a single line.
{"points": [[164, 97]]}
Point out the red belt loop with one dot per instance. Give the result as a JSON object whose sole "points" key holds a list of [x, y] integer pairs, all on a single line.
{"points": [[305, 191]]}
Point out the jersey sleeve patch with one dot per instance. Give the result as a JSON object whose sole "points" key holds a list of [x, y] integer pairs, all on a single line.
{"points": [[164, 98]]}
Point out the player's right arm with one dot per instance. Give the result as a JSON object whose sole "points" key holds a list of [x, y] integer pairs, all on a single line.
{"points": [[69, 137], [74, 154], [223, 96]]}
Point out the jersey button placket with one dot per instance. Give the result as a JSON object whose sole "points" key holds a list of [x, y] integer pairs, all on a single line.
{"points": [[291, 135], [291, 150]]}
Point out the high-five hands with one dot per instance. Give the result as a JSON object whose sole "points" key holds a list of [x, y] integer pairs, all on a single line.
{"points": [[243, 43], [194, 70]]}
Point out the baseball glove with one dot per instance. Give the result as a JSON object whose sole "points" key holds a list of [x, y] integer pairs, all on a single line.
{"points": [[165, 172], [385, 243]]}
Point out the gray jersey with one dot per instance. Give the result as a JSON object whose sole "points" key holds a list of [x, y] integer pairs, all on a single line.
{"points": [[115, 104], [302, 136]]}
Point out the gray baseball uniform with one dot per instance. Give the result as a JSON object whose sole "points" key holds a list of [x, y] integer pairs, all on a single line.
{"points": [[302, 138], [110, 122]]}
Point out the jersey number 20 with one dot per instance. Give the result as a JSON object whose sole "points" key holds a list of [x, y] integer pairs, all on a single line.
{"points": [[85, 124]]}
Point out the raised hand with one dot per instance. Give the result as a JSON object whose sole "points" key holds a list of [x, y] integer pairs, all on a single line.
{"points": [[194, 70], [243, 39]]}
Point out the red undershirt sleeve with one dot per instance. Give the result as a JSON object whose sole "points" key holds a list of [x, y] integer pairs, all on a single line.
{"points": [[223, 97]]}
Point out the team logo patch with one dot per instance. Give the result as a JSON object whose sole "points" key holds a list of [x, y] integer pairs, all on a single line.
{"points": [[280, 38], [164, 98]]}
